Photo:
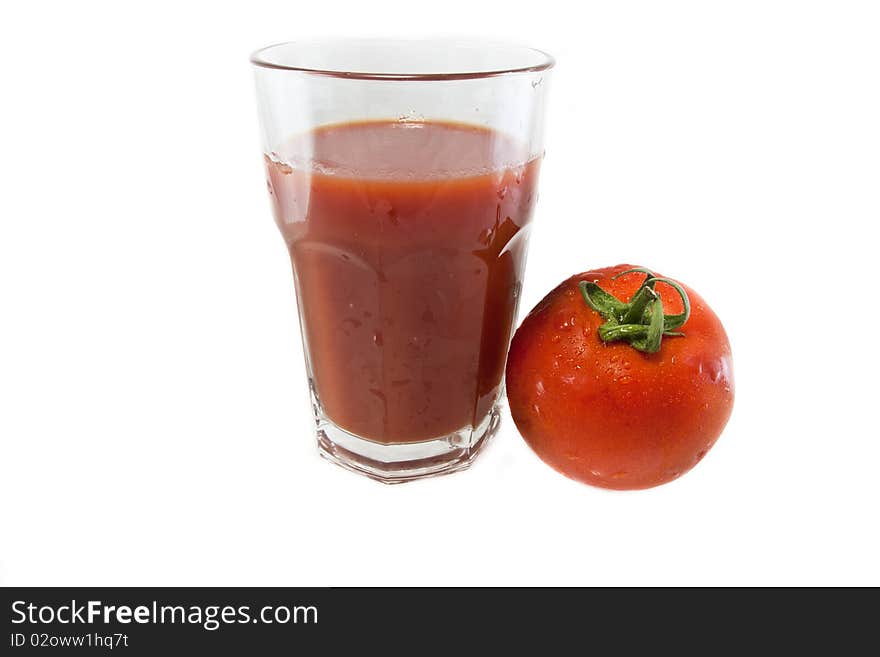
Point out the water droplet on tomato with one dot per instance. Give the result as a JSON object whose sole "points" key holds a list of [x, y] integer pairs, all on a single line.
{"points": [[718, 370]]}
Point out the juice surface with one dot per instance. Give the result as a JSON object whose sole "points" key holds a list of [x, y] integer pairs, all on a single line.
{"points": [[408, 243]]}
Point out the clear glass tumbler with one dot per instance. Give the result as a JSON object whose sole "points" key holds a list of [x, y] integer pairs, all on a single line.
{"points": [[403, 175]]}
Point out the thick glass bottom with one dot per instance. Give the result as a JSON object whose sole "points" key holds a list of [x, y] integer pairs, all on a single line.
{"points": [[402, 462]]}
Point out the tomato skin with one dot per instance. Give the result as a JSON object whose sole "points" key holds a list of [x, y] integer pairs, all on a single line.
{"points": [[607, 414]]}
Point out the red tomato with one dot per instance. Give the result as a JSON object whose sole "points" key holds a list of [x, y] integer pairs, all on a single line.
{"points": [[605, 413]]}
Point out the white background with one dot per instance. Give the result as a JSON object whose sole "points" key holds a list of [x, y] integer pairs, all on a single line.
{"points": [[153, 410]]}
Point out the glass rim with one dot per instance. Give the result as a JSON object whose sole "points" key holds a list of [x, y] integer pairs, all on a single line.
{"points": [[544, 61]]}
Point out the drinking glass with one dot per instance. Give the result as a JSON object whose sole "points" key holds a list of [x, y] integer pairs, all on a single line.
{"points": [[403, 175]]}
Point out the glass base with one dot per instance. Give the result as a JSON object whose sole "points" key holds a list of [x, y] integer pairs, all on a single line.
{"points": [[402, 462]]}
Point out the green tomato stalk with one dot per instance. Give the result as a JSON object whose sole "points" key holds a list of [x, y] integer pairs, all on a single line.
{"points": [[640, 322]]}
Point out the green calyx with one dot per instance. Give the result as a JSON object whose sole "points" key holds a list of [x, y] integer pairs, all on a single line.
{"points": [[640, 321]]}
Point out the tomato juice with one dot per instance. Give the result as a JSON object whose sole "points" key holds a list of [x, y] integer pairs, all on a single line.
{"points": [[408, 243]]}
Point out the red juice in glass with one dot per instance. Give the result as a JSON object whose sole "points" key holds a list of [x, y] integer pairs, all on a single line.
{"points": [[407, 236], [408, 245]]}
